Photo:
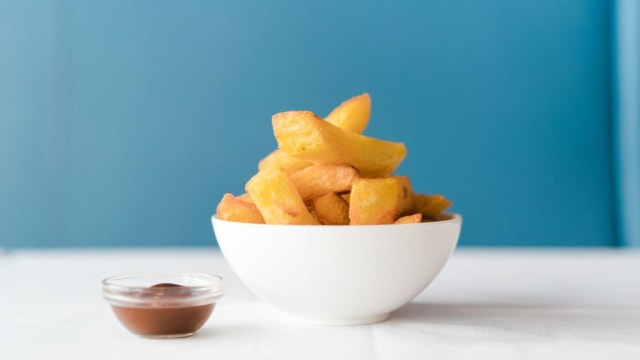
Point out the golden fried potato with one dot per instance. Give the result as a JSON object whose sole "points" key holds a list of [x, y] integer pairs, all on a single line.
{"points": [[320, 179], [304, 135], [409, 219], [245, 197], [277, 198], [375, 201], [430, 206], [282, 160], [406, 203], [353, 114], [331, 209], [443, 217], [312, 211], [233, 208], [326, 172]]}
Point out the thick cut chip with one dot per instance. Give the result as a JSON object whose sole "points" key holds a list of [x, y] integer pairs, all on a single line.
{"points": [[245, 197], [277, 198], [312, 211], [317, 180], [331, 209], [233, 208], [409, 219], [375, 201], [346, 197], [406, 204], [282, 160], [304, 135], [353, 114], [430, 206]]}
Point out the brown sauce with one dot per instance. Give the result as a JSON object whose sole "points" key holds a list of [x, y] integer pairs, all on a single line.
{"points": [[163, 315]]}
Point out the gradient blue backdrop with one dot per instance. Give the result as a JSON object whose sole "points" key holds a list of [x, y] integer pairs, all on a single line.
{"points": [[124, 122]]}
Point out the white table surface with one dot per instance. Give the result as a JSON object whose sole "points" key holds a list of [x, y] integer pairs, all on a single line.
{"points": [[486, 304]]}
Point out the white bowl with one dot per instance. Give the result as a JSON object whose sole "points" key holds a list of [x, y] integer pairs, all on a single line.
{"points": [[337, 275]]}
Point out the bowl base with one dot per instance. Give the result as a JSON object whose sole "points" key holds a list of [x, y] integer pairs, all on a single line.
{"points": [[342, 321], [170, 336]]}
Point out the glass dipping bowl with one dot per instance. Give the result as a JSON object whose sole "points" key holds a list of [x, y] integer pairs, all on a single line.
{"points": [[163, 305]]}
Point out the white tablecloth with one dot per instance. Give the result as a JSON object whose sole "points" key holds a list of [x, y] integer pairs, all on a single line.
{"points": [[486, 304]]}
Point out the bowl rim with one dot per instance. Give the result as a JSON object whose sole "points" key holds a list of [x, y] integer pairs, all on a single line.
{"points": [[456, 218], [120, 294]]}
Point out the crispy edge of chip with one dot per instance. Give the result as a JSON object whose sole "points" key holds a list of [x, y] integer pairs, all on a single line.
{"points": [[409, 219], [319, 179], [406, 203], [232, 208], [352, 114], [245, 197], [280, 159], [430, 206]]}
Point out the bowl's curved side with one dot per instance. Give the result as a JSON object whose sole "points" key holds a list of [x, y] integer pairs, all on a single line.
{"points": [[337, 274]]}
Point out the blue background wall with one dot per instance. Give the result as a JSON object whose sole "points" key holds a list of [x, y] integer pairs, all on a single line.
{"points": [[124, 122]]}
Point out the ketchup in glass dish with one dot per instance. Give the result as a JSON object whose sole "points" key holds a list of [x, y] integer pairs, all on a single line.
{"points": [[168, 305]]}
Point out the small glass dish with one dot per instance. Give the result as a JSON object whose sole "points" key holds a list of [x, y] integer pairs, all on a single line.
{"points": [[163, 305]]}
